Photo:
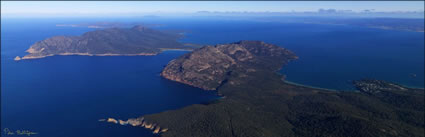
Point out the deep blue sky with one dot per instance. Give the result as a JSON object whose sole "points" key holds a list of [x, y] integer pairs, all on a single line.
{"points": [[102, 8]]}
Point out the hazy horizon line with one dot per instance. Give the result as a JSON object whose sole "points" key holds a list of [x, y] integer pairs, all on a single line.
{"points": [[340, 13]]}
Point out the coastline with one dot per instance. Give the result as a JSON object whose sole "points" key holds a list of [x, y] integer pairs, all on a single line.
{"points": [[86, 54], [171, 49], [373, 27], [29, 56], [408, 86], [308, 86]]}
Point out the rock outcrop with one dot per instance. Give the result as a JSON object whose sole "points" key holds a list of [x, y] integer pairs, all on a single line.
{"points": [[17, 58], [141, 122], [210, 66], [112, 120]]}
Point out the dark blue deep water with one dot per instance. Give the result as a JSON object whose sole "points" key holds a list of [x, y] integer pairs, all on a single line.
{"points": [[330, 56], [66, 95]]}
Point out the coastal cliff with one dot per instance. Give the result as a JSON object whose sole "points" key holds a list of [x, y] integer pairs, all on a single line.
{"points": [[258, 103], [134, 41]]}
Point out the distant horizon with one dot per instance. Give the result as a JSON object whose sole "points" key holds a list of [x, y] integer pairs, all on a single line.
{"points": [[243, 14], [21, 9]]}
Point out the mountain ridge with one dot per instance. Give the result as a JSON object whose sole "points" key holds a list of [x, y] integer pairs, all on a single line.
{"points": [[217, 62], [135, 41]]}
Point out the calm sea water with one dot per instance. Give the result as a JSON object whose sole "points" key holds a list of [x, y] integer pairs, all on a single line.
{"points": [[67, 95], [330, 56]]}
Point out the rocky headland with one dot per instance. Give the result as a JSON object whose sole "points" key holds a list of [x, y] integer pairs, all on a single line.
{"points": [[211, 66], [259, 103], [135, 41]]}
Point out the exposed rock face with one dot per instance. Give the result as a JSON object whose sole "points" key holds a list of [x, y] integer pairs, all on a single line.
{"points": [[122, 122], [112, 120], [164, 130], [134, 41], [148, 126], [209, 67], [135, 122], [17, 58], [156, 129]]}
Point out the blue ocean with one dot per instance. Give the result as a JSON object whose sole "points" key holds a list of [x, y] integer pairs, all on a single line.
{"points": [[66, 95]]}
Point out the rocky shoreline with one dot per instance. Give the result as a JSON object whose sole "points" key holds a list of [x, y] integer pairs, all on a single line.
{"points": [[32, 52], [173, 49], [17, 58], [137, 122]]}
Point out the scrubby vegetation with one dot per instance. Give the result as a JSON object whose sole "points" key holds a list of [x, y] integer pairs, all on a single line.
{"points": [[137, 40], [259, 104]]}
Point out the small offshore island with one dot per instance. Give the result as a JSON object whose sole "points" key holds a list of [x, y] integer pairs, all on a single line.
{"points": [[135, 41]]}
